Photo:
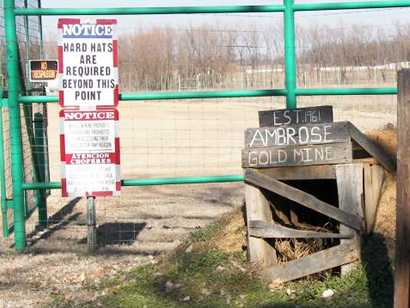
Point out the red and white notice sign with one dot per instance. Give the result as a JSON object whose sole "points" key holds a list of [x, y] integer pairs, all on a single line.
{"points": [[90, 153], [88, 63], [89, 142]]}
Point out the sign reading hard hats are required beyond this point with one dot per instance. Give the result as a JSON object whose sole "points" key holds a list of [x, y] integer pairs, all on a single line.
{"points": [[88, 63]]}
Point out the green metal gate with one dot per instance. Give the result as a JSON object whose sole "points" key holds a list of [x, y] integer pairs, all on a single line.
{"points": [[33, 121], [17, 97]]}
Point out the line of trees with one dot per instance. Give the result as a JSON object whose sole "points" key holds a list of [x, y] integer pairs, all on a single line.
{"points": [[207, 56]]}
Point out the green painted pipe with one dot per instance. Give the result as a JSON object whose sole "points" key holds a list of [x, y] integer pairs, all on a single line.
{"points": [[290, 54], [40, 155], [15, 127], [225, 94], [347, 91], [40, 25], [3, 201], [171, 95], [45, 185], [183, 180], [215, 9], [221, 9], [38, 99], [350, 5], [4, 208], [151, 181], [201, 94]]}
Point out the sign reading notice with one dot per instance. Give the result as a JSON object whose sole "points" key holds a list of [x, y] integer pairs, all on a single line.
{"points": [[90, 153], [88, 63]]}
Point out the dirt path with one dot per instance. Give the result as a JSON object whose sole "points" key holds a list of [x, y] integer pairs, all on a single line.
{"points": [[131, 232]]}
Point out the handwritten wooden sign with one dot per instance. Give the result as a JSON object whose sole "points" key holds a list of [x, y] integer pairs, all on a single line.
{"points": [[306, 134], [294, 137], [319, 114], [319, 154]]}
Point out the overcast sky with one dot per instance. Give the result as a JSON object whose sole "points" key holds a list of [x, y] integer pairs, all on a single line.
{"points": [[382, 18]]}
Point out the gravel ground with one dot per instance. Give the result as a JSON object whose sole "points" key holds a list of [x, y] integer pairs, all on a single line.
{"points": [[130, 233]]}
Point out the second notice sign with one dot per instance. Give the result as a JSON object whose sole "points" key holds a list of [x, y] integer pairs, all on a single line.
{"points": [[90, 153]]}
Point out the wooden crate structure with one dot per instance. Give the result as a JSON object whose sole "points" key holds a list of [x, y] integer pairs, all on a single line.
{"points": [[358, 176]]}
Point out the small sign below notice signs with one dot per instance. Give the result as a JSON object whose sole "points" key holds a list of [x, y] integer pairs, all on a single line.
{"points": [[43, 70], [90, 153], [88, 63]]}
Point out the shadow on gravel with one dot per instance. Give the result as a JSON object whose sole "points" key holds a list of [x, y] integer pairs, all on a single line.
{"points": [[124, 233], [56, 222], [63, 212]]}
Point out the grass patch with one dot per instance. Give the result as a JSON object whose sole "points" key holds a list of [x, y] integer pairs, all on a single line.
{"points": [[215, 279], [201, 275]]}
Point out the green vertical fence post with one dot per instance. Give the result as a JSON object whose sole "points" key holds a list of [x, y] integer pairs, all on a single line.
{"points": [[26, 88], [39, 152], [15, 125], [40, 23], [27, 45], [4, 210], [290, 53]]}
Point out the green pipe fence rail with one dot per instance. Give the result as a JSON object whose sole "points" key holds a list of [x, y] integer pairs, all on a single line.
{"points": [[291, 92], [227, 94]]}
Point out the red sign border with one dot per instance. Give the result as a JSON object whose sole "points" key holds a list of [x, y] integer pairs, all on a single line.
{"points": [[116, 158], [74, 21]]}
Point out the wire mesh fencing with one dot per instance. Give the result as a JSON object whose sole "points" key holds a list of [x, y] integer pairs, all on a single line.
{"points": [[184, 138]]}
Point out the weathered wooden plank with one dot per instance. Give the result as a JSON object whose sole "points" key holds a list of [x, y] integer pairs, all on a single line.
{"points": [[373, 182], [402, 268], [312, 264], [320, 172], [258, 179], [367, 160], [258, 208], [350, 191], [386, 160], [320, 154], [262, 229], [317, 114], [305, 134]]}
